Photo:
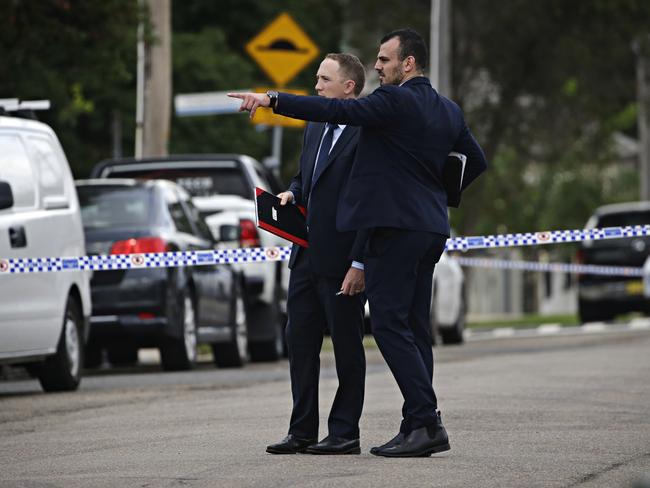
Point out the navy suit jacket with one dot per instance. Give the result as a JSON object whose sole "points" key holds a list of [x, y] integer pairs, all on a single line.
{"points": [[406, 134], [330, 252]]}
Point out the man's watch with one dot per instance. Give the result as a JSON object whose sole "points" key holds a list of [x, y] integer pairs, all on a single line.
{"points": [[273, 98]]}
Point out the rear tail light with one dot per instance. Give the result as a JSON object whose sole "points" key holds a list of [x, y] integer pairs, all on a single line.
{"points": [[249, 235], [140, 245]]}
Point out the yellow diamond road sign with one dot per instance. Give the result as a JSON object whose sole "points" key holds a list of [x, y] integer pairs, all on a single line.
{"points": [[282, 49]]}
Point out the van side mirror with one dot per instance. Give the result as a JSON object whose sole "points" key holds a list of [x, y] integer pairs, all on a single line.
{"points": [[6, 195]]}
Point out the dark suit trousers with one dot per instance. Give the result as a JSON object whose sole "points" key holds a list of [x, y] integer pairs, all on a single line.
{"points": [[313, 306], [399, 268]]}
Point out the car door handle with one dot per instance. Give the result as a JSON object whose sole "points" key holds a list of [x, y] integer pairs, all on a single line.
{"points": [[17, 236]]}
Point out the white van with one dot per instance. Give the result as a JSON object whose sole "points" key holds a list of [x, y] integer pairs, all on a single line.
{"points": [[43, 316]]}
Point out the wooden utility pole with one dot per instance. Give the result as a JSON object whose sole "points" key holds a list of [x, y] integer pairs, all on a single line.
{"points": [[154, 103], [440, 47]]}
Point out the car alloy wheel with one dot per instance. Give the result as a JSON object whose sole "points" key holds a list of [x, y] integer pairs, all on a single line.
{"points": [[189, 329], [241, 327]]}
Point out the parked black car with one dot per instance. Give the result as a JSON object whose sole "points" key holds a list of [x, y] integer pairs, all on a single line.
{"points": [[223, 189], [601, 298], [172, 309]]}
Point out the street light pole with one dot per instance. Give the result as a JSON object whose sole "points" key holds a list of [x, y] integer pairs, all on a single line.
{"points": [[440, 46], [642, 49], [139, 90], [434, 44]]}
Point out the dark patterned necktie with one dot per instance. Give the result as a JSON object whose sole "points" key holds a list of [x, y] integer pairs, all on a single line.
{"points": [[324, 152]]}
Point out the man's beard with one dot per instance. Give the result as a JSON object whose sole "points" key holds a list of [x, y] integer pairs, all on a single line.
{"points": [[397, 79]]}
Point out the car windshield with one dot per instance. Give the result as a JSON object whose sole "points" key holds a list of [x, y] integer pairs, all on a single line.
{"points": [[624, 219], [199, 182], [114, 206]]}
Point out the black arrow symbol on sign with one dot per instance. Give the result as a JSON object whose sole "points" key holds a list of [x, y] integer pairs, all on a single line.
{"points": [[282, 45]]}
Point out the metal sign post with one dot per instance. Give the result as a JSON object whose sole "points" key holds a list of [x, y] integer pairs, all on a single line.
{"points": [[282, 49]]}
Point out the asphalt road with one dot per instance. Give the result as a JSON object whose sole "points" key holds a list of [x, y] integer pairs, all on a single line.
{"points": [[547, 411]]}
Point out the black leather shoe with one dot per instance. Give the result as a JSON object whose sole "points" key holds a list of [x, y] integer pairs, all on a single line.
{"points": [[395, 441], [335, 445], [421, 442], [290, 445]]}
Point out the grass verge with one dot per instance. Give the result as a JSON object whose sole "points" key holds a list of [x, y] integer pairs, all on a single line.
{"points": [[526, 321]]}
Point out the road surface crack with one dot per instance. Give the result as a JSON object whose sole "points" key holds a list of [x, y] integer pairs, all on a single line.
{"points": [[596, 474]]}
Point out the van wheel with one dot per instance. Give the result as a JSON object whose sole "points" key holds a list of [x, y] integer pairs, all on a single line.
{"points": [[62, 371], [179, 353], [234, 353]]}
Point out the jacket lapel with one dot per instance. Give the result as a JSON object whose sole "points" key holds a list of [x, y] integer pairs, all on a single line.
{"points": [[341, 142], [316, 134]]}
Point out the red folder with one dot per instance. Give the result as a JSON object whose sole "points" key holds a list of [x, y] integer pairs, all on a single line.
{"points": [[287, 221]]}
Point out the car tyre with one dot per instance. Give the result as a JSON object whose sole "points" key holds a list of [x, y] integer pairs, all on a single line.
{"points": [[592, 312], [273, 348], [62, 371], [234, 353], [93, 357], [122, 354], [179, 353], [435, 329], [454, 335]]}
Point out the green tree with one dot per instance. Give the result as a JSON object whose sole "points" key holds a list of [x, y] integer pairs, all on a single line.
{"points": [[546, 85], [81, 56]]}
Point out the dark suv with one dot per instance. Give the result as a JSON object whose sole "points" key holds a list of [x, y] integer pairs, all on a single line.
{"points": [[603, 297], [173, 308]]}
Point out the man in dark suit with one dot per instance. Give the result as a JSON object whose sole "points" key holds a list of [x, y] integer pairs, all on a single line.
{"points": [[396, 191], [326, 278]]}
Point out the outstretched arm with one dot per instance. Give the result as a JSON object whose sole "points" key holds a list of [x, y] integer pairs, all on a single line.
{"points": [[377, 109]]}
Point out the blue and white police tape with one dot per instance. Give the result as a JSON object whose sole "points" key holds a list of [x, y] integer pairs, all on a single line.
{"points": [[548, 237], [256, 255], [591, 269], [145, 260]]}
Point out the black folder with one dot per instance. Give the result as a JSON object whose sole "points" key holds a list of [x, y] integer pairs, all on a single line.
{"points": [[287, 221], [452, 176]]}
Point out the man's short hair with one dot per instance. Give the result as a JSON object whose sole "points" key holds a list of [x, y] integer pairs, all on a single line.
{"points": [[351, 68], [411, 44]]}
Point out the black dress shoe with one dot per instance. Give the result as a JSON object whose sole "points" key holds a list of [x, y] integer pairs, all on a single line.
{"points": [[335, 445], [421, 442], [395, 441], [290, 445]]}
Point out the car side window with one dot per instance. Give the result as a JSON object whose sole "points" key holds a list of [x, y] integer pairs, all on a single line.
{"points": [[202, 228], [50, 176], [177, 213], [16, 169]]}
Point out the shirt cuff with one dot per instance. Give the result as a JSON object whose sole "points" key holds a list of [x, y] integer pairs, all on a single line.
{"points": [[357, 265]]}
